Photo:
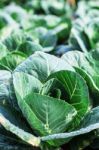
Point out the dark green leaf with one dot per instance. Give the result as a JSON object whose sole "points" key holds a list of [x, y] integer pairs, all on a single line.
{"points": [[77, 91], [29, 48]]}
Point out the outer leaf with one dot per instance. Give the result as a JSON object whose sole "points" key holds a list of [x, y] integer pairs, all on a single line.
{"points": [[78, 37], [17, 127], [11, 60], [62, 30], [5, 77], [3, 50], [16, 12], [13, 40], [48, 41], [9, 141], [41, 65], [29, 48], [27, 83], [90, 123], [5, 19], [87, 66], [92, 30], [7, 94], [56, 8]]}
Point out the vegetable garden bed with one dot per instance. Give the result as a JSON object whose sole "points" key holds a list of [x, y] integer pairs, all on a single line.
{"points": [[49, 75]]}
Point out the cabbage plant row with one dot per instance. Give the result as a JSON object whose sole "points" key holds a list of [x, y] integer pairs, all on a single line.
{"points": [[49, 75]]}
